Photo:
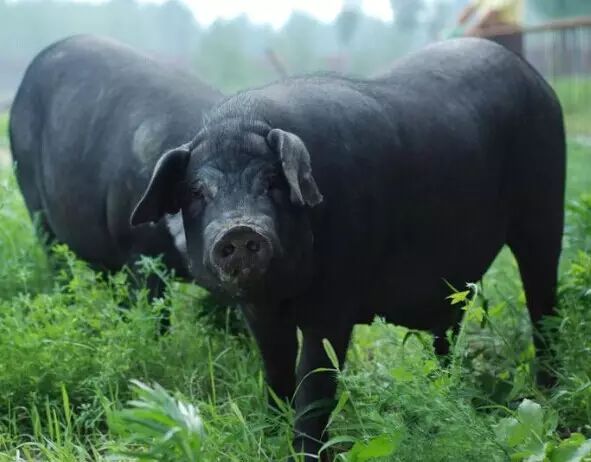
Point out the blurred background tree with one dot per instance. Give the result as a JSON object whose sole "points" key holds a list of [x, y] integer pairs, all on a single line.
{"points": [[347, 21], [230, 54], [407, 13], [233, 54], [346, 24]]}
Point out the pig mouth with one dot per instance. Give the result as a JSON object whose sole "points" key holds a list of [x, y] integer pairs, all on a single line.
{"points": [[242, 277]]}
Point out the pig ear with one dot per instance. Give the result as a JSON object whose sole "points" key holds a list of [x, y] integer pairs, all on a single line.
{"points": [[161, 196], [295, 161]]}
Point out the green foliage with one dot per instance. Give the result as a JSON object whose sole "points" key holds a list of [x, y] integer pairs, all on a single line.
{"points": [[570, 331], [164, 29], [71, 340], [378, 447], [170, 428], [575, 96], [530, 436], [3, 129], [229, 54], [222, 56], [24, 267]]}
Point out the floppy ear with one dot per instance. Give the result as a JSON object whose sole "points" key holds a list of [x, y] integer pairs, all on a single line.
{"points": [[295, 161], [161, 196]]}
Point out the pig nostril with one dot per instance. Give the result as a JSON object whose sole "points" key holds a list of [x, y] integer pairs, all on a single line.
{"points": [[228, 250], [253, 246]]}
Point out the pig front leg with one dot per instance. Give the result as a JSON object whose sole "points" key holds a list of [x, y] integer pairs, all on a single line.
{"points": [[315, 395], [275, 334]]}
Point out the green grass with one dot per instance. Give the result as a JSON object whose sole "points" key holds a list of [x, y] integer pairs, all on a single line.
{"points": [[71, 340], [3, 129], [575, 96]]}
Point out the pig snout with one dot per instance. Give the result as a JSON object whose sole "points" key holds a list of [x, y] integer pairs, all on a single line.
{"points": [[241, 254]]}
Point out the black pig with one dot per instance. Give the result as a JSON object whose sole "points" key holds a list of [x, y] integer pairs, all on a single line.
{"points": [[323, 201], [88, 124]]}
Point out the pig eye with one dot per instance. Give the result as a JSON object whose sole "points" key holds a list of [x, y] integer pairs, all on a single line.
{"points": [[199, 190], [194, 201], [194, 193]]}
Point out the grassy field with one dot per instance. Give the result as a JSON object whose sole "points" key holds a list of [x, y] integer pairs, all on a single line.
{"points": [[71, 341], [575, 95], [3, 131]]}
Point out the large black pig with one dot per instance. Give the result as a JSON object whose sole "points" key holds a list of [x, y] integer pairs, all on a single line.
{"points": [[89, 122], [322, 201]]}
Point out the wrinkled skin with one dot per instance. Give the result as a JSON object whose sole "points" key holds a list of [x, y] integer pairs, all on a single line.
{"points": [[319, 202], [89, 122]]}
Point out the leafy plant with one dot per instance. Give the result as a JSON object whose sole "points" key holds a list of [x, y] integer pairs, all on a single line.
{"points": [[165, 429], [530, 436]]}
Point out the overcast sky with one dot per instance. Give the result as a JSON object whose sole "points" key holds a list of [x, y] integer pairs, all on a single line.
{"points": [[275, 12]]}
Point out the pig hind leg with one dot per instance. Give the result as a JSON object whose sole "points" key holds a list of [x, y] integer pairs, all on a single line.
{"points": [[535, 233], [536, 244], [537, 251]]}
